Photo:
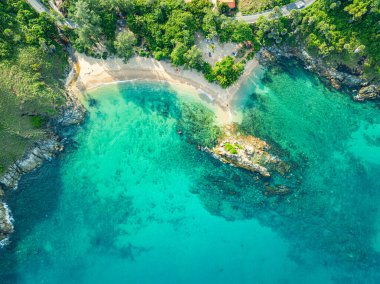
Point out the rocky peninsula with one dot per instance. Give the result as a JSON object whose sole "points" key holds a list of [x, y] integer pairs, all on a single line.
{"points": [[247, 152]]}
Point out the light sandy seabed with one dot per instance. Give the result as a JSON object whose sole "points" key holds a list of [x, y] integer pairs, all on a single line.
{"points": [[97, 72]]}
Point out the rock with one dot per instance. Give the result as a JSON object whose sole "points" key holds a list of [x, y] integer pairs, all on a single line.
{"points": [[73, 113], [338, 75], [243, 151], [6, 224], [370, 92], [34, 158]]}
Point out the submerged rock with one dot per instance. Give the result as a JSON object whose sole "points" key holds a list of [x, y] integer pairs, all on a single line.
{"points": [[276, 190], [244, 151]]}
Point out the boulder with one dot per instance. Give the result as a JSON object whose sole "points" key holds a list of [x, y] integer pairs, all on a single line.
{"points": [[370, 92], [34, 158], [6, 224]]}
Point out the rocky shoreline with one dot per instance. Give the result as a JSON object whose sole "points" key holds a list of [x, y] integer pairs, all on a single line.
{"points": [[348, 80], [246, 152], [243, 151], [252, 154], [71, 113]]}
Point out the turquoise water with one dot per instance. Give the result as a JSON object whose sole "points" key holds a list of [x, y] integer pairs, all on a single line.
{"points": [[131, 201]]}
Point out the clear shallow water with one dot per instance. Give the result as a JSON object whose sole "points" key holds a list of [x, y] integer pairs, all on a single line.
{"points": [[130, 201]]}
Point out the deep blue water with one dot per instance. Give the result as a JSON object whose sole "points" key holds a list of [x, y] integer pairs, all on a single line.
{"points": [[131, 201]]}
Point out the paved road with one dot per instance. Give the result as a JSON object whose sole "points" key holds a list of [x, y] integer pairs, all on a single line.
{"points": [[40, 8], [284, 9]]}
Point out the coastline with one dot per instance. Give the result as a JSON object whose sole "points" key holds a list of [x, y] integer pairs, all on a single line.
{"points": [[89, 73], [350, 81], [95, 73]]}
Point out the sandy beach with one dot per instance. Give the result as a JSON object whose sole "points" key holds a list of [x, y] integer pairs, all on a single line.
{"points": [[97, 72]]}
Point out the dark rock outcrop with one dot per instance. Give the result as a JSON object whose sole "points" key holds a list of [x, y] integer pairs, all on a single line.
{"points": [[340, 77], [6, 226], [370, 92], [32, 159]]}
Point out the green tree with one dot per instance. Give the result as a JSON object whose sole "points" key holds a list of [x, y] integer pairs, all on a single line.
{"points": [[223, 8], [242, 32], [178, 54], [226, 71], [210, 24], [88, 21], [193, 58], [358, 8], [124, 45]]}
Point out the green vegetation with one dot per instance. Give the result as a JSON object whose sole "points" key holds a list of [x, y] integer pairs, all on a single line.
{"points": [[166, 30], [238, 146], [31, 62], [227, 71], [163, 29], [346, 33], [37, 121], [230, 148], [254, 6], [124, 44]]}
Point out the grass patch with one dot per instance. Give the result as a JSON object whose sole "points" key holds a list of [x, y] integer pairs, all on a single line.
{"points": [[230, 148], [17, 132], [32, 62], [238, 146], [37, 121]]}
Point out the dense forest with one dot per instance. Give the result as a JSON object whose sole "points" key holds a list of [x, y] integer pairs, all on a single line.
{"points": [[346, 32], [31, 61]]}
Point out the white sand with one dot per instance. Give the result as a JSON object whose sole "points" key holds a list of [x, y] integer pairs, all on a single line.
{"points": [[96, 72]]}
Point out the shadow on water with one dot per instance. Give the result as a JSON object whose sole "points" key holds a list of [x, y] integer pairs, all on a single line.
{"points": [[32, 203]]}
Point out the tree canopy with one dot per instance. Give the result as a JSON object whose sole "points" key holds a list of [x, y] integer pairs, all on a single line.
{"points": [[124, 44]]}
